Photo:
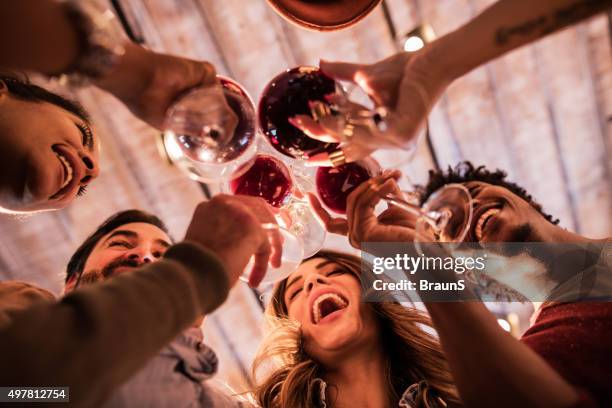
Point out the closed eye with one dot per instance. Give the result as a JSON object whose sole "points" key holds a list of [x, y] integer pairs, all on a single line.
{"points": [[123, 244], [294, 294], [336, 272]]}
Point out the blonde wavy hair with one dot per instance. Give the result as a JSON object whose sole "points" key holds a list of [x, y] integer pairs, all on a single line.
{"points": [[292, 378]]}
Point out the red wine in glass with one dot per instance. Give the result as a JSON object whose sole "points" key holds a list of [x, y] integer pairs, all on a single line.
{"points": [[267, 178], [288, 95], [334, 184]]}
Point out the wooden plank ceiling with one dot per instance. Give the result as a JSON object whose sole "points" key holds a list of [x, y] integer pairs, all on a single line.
{"points": [[542, 113]]}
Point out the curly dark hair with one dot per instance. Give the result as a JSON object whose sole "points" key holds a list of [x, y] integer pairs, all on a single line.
{"points": [[465, 172]]}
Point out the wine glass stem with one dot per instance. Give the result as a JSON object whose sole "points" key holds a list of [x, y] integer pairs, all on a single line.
{"points": [[430, 217]]}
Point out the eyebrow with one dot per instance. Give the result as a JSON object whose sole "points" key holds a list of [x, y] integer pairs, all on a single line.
{"points": [[132, 234], [324, 263], [125, 233]]}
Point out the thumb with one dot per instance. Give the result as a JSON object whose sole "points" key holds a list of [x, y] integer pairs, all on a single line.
{"points": [[342, 71]]}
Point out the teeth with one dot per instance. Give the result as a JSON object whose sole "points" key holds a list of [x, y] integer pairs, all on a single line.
{"points": [[481, 221], [316, 312], [68, 168]]}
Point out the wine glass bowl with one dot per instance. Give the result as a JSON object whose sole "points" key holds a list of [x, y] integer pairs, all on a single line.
{"points": [[266, 177], [270, 178], [292, 256], [334, 184], [288, 94], [196, 136], [448, 214]]}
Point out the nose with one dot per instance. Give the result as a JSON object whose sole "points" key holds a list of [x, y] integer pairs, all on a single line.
{"points": [[91, 168], [142, 255], [313, 280]]}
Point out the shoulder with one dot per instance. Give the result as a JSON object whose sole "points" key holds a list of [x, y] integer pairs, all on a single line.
{"points": [[574, 339]]}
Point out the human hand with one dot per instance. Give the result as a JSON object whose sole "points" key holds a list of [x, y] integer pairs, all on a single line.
{"points": [[362, 224], [148, 83], [406, 84], [231, 227]]}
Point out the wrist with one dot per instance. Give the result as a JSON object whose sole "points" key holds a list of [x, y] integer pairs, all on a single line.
{"points": [[130, 77], [209, 272], [445, 59]]}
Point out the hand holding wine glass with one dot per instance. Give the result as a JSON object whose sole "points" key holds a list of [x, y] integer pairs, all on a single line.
{"points": [[232, 227], [362, 224], [148, 83], [406, 86], [445, 216]]}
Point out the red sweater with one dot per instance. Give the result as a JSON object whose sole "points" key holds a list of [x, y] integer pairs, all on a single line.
{"points": [[576, 340]]}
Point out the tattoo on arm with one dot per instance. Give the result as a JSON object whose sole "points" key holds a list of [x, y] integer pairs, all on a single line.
{"points": [[543, 25]]}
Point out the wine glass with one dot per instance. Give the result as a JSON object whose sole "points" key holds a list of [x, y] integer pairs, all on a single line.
{"points": [[334, 184], [291, 93], [199, 135], [306, 90], [292, 255], [446, 216], [269, 178], [200, 140]]}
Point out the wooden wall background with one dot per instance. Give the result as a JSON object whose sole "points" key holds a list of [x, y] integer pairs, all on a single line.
{"points": [[543, 113]]}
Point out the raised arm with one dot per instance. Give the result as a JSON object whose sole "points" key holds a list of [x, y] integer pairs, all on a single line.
{"points": [[409, 84], [98, 336], [489, 366], [507, 25], [44, 36]]}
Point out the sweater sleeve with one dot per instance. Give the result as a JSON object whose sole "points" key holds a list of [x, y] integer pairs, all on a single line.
{"points": [[574, 339], [98, 336]]}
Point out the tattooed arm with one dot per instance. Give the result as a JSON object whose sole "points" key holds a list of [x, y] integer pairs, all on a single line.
{"points": [[409, 84], [509, 24]]}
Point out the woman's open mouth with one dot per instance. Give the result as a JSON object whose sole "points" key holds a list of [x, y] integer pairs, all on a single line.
{"points": [[327, 304]]}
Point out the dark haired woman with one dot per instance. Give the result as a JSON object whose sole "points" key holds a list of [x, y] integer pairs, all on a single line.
{"points": [[48, 151]]}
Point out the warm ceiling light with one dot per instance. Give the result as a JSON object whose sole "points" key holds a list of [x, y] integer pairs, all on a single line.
{"points": [[416, 39], [413, 43]]}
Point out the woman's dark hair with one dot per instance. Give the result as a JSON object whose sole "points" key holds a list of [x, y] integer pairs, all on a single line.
{"points": [[79, 258], [465, 172], [22, 88]]}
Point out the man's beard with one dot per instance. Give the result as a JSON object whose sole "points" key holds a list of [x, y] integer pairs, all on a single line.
{"points": [[524, 233], [108, 271]]}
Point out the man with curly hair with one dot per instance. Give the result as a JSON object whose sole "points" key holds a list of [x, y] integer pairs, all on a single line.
{"points": [[562, 360]]}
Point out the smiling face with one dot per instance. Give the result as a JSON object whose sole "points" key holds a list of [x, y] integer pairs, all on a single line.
{"points": [[502, 216], [124, 249], [325, 298], [47, 155]]}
